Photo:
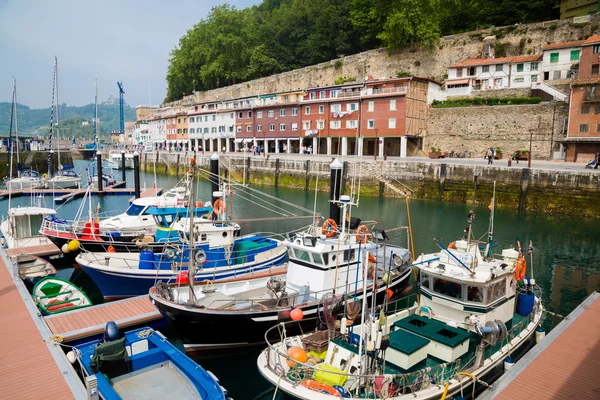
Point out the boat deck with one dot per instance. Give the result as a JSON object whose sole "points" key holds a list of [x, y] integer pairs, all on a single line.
{"points": [[564, 365], [77, 324], [28, 369]]}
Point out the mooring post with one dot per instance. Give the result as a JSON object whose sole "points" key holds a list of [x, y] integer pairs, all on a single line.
{"points": [[306, 178], [50, 164], [177, 164], [123, 176], [335, 188], [99, 167], [136, 174], [276, 172], [442, 180], [214, 176], [248, 161], [525, 172], [344, 176]]}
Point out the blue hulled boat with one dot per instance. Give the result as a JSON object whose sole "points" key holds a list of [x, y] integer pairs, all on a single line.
{"points": [[143, 364]]}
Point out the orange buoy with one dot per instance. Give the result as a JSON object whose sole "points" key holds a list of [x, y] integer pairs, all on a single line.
{"points": [[199, 204], [520, 269], [192, 161], [111, 249], [219, 207], [389, 293], [361, 234], [296, 354], [321, 387], [329, 228], [452, 245], [297, 314]]}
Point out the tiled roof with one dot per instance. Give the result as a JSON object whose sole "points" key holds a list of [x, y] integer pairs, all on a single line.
{"points": [[470, 62], [592, 40], [520, 59], [576, 43], [588, 81]]}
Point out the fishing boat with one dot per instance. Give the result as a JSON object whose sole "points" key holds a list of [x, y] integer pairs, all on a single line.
{"points": [[143, 364], [65, 177], [476, 314], [21, 226], [54, 295], [33, 268], [321, 260]]}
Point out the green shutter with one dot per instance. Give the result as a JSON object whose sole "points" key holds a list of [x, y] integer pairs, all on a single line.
{"points": [[574, 55], [519, 67], [553, 57]]}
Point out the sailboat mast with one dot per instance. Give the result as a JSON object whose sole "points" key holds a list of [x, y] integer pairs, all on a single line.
{"points": [[10, 146], [16, 123], [50, 161], [95, 131], [57, 111], [191, 242], [491, 230]]}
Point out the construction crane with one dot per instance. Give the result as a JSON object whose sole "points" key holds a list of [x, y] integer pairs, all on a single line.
{"points": [[121, 103]]}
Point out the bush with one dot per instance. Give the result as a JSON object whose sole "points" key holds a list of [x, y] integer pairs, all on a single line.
{"points": [[553, 26], [402, 74], [499, 49], [344, 79], [417, 63], [481, 101], [338, 64]]}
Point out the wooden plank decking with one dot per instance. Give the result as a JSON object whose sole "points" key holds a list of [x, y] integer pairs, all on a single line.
{"points": [[27, 368], [89, 321], [148, 193], [41, 250], [564, 365]]}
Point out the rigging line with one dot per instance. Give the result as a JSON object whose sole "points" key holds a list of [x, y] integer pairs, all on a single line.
{"points": [[264, 201], [273, 211], [249, 193]]}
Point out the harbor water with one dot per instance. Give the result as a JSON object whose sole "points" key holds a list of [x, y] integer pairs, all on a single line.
{"points": [[566, 259]]}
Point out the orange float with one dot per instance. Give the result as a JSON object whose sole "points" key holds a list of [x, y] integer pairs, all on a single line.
{"points": [[296, 354], [329, 228], [361, 234], [321, 387], [452, 245], [219, 206], [199, 204], [520, 269]]}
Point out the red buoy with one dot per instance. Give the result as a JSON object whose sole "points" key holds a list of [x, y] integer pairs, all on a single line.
{"points": [[182, 277]]}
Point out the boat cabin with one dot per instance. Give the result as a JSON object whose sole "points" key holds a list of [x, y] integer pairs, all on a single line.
{"points": [[26, 222]]}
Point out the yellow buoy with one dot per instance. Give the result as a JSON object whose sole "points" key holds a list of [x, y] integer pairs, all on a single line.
{"points": [[74, 245]]}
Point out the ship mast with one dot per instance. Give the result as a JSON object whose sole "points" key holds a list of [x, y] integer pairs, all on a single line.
{"points": [[191, 242], [57, 113]]}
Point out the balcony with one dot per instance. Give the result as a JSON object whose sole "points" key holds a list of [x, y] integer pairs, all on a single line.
{"points": [[399, 89]]}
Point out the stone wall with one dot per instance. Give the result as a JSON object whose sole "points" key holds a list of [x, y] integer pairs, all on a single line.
{"points": [[511, 92], [474, 129], [418, 61]]}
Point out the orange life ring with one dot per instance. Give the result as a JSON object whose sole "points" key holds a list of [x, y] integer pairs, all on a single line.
{"points": [[452, 245], [361, 234], [520, 269], [219, 207], [329, 228], [321, 387]]}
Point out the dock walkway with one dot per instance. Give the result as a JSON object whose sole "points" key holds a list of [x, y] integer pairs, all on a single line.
{"points": [[64, 195], [77, 324], [28, 367], [564, 365]]}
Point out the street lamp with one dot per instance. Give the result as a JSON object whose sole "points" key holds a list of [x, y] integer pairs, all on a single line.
{"points": [[376, 147]]}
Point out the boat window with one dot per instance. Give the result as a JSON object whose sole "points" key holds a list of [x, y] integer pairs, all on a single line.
{"points": [[349, 254], [317, 258], [447, 288], [496, 291], [475, 294], [35, 223], [203, 237], [134, 210], [425, 279], [21, 227], [168, 219], [326, 258], [302, 255]]}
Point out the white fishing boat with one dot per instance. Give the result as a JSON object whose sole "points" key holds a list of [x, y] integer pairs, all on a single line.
{"points": [[321, 259], [21, 226], [475, 314], [65, 177]]}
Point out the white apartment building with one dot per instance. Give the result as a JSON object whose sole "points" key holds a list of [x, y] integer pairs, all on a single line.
{"points": [[561, 60], [478, 74], [525, 71], [141, 134], [211, 127], [157, 132]]}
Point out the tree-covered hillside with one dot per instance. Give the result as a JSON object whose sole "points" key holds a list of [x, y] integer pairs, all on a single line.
{"points": [[232, 46], [37, 121]]}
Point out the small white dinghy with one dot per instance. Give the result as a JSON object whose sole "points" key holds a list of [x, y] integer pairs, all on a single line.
{"points": [[55, 295], [33, 268]]}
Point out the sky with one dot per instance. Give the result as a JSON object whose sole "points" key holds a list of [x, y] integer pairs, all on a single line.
{"points": [[111, 40]]}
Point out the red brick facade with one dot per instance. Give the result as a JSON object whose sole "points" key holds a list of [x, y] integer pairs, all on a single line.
{"points": [[583, 135]]}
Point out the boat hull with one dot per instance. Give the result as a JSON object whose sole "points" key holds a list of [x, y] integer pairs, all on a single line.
{"points": [[63, 183], [204, 329], [123, 282]]}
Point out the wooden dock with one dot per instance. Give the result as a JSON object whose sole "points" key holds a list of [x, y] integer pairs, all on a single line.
{"points": [[564, 365], [78, 324], [29, 367], [41, 250]]}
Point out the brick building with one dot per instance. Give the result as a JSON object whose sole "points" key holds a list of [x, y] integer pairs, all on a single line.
{"points": [[583, 134]]}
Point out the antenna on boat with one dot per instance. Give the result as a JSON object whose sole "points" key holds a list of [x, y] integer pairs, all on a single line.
{"points": [[57, 116], [13, 114]]}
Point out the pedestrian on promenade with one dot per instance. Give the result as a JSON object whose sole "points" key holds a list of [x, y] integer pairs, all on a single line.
{"points": [[597, 161]]}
